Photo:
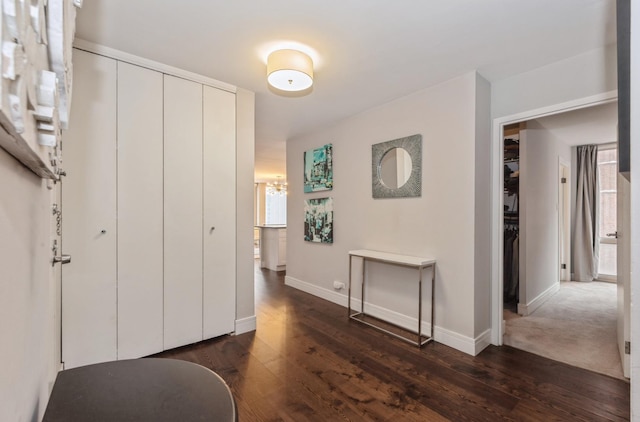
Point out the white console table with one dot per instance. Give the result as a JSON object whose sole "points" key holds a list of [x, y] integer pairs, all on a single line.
{"points": [[418, 263]]}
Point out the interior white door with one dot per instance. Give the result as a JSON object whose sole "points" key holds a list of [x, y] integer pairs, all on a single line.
{"points": [[140, 202], [624, 269], [89, 206], [219, 148], [183, 226]]}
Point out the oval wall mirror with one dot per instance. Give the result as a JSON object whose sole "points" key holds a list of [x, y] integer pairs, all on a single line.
{"points": [[395, 168]]}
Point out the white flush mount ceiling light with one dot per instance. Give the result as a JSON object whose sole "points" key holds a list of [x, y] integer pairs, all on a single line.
{"points": [[289, 70]]}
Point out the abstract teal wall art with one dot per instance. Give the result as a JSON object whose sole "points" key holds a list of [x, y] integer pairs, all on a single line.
{"points": [[318, 169]]}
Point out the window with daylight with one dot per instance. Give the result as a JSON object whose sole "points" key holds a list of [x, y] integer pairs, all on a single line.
{"points": [[607, 174], [276, 208]]}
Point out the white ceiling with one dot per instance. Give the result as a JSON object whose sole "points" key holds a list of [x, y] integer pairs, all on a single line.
{"points": [[367, 52]]}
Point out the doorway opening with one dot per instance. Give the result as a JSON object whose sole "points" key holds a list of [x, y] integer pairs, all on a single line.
{"points": [[538, 178], [270, 225]]}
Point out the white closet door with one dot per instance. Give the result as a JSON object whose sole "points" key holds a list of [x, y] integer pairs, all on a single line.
{"points": [[182, 212], [140, 279], [219, 212], [89, 210]]}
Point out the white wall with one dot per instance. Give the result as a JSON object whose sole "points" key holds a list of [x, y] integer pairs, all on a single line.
{"points": [[29, 294], [441, 223], [581, 76], [245, 135], [540, 152], [482, 208], [591, 125]]}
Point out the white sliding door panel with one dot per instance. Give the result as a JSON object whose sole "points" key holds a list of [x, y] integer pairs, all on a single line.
{"points": [[140, 251], [183, 232], [89, 204], [219, 212]]}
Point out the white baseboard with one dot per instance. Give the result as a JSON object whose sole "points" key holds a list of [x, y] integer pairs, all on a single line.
{"points": [[245, 325], [469, 345], [482, 341], [449, 338], [396, 318], [529, 308], [326, 294]]}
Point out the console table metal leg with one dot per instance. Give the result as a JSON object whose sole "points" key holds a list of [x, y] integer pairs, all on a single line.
{"points": [[420, 308], [349, 294], [433, 301], [364, 264]]}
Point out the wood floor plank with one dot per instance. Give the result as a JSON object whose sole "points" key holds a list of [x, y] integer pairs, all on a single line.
{"points": [[557, 393], [480, 394], [351, 383], [308, 362], [453, 388], [565, 385]]}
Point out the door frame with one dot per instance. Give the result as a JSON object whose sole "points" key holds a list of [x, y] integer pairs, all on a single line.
{"points": [[564, 219], [497, 187]]}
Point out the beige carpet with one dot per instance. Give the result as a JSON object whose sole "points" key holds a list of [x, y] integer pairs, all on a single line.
{"points": [[577, 326]]}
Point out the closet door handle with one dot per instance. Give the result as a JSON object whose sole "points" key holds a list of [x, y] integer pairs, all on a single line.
{"points": [[614, 234], [211, 229]]}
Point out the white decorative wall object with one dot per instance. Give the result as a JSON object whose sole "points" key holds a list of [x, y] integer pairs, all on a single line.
{"points": [[35, 80], [61, 18]]}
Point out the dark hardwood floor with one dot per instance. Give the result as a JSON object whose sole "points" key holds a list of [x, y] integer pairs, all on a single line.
{"points": [[308, 362]]}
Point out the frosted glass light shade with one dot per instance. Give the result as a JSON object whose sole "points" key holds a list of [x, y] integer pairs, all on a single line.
{"points": [[289, 70]]}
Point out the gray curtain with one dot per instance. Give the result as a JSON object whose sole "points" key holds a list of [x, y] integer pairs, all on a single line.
{"points": [[586, 239]]}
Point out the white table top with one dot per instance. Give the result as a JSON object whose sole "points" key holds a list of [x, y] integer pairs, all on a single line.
{"points": [[414, 261]]}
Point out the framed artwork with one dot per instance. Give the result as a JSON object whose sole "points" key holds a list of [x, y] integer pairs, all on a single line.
{"points": [[318, 220], [318, 169]]}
